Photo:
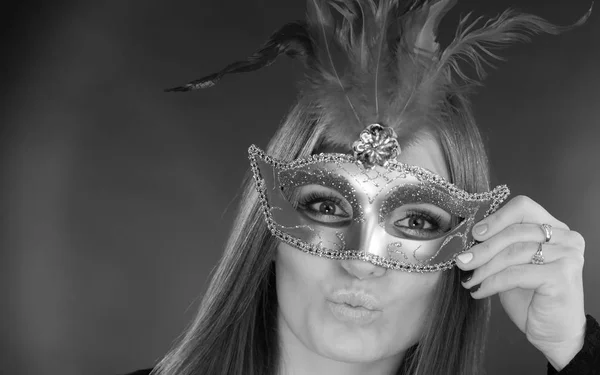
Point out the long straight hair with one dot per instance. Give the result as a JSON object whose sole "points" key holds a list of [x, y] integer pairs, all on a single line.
{"points": [[453, 341], [235, 330]]}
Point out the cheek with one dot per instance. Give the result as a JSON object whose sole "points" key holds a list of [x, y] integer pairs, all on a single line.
{"points": [[300, 294], [412, 300], [299, 280]]}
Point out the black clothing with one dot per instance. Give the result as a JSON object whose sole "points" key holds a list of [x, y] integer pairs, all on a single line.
{"points": [[586, 362], [141, 372]]}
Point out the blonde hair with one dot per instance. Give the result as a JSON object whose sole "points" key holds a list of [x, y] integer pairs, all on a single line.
{"points": [[235, 330]]}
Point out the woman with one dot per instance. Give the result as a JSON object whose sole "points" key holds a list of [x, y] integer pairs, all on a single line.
{"points": [[351, 252]]}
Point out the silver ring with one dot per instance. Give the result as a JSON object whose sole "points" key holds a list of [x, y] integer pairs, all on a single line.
{"points": [[547, 228], [538, 257]]}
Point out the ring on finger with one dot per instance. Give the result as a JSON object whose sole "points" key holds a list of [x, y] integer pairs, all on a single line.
{"points": [[547, 229], [538, 257]]}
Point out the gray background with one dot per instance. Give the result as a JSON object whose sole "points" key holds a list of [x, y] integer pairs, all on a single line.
{"points": [[117, 198]]}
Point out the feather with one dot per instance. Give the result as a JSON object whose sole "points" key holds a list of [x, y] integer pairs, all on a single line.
{"points": [[291, 39], [381, 75], [405, 79], [474, 45], [379, 62], [426, 39], [322, 24]]}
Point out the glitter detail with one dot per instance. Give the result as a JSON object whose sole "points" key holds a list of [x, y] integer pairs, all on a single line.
{"points": [[425, 193], [340, 236], [496, 197], [365, 175], [393, 248]]}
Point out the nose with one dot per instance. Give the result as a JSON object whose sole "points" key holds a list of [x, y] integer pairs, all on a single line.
{"points": [[362, 269], [372, 241]]}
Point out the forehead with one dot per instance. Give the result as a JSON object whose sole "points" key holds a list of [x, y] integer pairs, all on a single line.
{"points": [[428, 154]]}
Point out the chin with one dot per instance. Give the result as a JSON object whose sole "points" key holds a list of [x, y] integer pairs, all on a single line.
{"points": [[352, 344], [351, 352]]}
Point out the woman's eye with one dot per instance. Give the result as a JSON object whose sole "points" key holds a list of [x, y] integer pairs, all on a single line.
{"points": [[325, 207], [421, 223], [417, 222], [325, 210]]}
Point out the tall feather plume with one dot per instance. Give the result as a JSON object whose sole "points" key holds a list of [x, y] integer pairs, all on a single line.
{"points": [[371, 61], [389, 68]]}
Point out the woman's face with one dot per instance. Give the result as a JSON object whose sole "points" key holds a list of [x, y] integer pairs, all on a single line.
{"points": [[316, 295]]}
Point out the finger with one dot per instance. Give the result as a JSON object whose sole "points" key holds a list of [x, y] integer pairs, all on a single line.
{"points": [[520, 209], [509, 236], [545, 279], [515, 254], [524, 276]]}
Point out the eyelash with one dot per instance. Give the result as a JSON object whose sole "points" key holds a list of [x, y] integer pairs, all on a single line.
{"points": [[434, 219], [317, 197]]}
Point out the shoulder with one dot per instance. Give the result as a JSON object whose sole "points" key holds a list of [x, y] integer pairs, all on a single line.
{"points": [[140, 372]]}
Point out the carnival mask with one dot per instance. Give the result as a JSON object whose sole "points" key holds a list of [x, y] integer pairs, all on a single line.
{"points": [[369, 206]]}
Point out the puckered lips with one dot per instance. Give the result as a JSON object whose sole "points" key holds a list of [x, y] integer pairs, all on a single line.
{"points": [[354, 306]]}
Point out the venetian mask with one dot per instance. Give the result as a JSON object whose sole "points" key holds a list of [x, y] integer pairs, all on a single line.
{"points": [[369, 206]]}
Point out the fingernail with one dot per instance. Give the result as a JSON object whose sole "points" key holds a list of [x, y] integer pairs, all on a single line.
{"points": [[480, 229], [465, 276], [465, 257], [475, 288]]}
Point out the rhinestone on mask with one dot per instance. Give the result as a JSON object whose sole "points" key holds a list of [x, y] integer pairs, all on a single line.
{"points": [[377, 145]]}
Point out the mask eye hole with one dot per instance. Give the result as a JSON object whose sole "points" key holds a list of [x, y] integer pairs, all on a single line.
{"points": [[322, 204], [421, 221]]}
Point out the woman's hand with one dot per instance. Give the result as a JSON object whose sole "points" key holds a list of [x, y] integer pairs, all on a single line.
{"points": [[544, 300]]}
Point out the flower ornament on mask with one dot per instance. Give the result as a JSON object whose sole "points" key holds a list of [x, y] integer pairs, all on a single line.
{"points": [[376, 145]]}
